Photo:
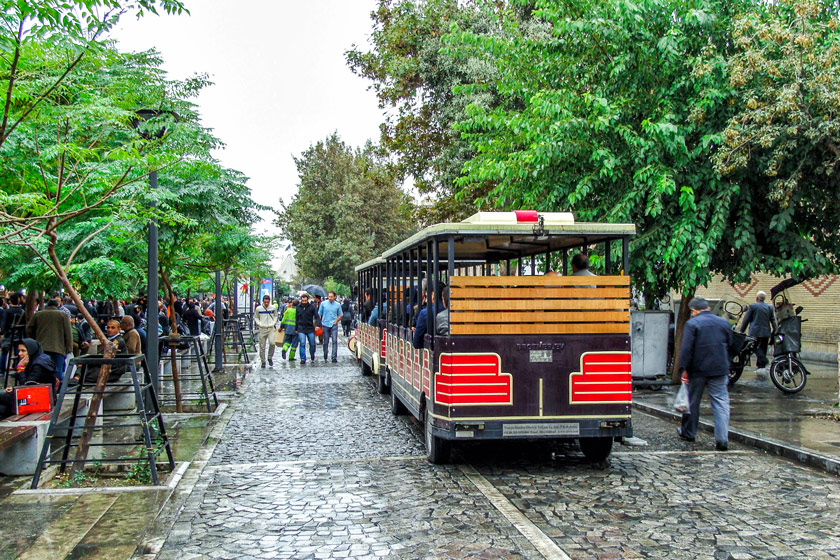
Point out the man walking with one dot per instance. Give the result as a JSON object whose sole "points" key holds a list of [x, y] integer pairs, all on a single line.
{"points": [[265, 319], [704, 362], [760, 317], [305, 324], [330, 314], [51, 328]]}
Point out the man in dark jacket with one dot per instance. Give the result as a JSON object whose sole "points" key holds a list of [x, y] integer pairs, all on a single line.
{"points": [[51, 328], [305, 325], [762, 321], [704, 362]]}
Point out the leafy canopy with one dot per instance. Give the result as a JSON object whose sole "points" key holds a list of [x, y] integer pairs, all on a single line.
{"points": [[348, 209]]}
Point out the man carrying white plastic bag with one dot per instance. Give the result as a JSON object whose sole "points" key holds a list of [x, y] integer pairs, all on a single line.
{"points": [[704, 363]]}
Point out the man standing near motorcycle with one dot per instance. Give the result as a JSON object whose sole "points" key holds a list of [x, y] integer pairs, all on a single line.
{"points": [[704, 363], [762, 321]]}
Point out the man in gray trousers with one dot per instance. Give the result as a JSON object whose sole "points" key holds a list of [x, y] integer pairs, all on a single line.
{"points": [[704, 363], [760, 317]]}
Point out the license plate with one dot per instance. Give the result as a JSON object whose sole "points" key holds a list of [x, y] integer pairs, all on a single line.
{"points": [[558, 429], [540, 356]]}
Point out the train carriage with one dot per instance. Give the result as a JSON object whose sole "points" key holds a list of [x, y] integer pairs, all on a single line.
{"points": [[367, 344], [531, 351]]}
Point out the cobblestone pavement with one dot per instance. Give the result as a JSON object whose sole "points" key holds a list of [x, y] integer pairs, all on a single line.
{"points": [[313, 465]]}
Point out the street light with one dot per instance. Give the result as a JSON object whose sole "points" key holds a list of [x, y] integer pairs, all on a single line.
{"points": [[146, 132]]}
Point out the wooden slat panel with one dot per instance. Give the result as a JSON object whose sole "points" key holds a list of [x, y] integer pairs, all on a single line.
{"points": [[554, 281], [526, 304], [549, 328], [540, 317], [540, 304], [533, 293]]}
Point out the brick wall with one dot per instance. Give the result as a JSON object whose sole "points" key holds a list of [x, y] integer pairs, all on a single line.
{"points": [[819, 297]]}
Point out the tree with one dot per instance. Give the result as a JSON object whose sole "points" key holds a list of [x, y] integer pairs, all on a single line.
{"points": [[414, 76], [348, 209], [616, 110], [72, 25], [783, 141], [77, 157]]}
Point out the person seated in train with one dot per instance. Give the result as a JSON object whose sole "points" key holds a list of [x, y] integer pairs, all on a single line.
{"points": [[580, 266], [420, 330], [442, 318]]}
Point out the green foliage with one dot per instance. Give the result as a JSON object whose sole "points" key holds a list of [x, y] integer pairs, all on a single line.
{"points": [[340, 289], [615, 110], [414, 77], [348, 208], [782, 144]]}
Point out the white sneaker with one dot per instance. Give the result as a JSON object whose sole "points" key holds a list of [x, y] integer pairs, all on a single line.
{"points": [[633, 441]]}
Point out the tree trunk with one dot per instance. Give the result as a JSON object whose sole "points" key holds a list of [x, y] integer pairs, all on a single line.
{"points": [[683, 315], [108, 351]]}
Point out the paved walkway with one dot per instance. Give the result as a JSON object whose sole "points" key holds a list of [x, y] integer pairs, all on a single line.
{"points": [[313, 465], [803, 426]]}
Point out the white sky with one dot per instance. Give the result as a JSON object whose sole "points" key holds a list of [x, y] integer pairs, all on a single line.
{"points": [[280, 79]]}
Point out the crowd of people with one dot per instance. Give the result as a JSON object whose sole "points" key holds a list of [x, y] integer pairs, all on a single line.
{"points": [[299, 322], [38, 336]]}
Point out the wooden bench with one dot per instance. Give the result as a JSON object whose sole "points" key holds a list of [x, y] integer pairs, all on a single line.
{"points": [[22, 436]]}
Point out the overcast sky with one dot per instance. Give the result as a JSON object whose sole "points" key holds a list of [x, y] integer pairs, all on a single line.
{"points": [[281, 81]]}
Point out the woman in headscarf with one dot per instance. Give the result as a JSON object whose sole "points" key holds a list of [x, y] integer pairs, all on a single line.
{"points": [[34, 366]]}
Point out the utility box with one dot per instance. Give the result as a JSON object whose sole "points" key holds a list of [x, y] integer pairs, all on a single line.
{"points": [[649, 343]]}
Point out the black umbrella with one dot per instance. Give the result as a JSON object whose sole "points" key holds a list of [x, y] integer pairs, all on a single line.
{"points": [[315, 290]]}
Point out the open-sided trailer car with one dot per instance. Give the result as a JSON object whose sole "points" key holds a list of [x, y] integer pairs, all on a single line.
{"points": [[528, 355]]}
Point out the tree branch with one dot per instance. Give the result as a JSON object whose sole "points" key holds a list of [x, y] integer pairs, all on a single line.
{"points": [[10, 89], [82, 244], [4, 134]]}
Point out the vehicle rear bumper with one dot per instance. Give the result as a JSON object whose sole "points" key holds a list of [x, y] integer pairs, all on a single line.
{"points": [[532, 429]]}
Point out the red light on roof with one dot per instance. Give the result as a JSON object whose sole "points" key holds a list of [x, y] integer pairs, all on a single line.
{"points": [[526, 216]]}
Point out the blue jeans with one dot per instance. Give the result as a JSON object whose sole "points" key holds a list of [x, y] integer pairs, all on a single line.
{"points": [[58, 360], [718, 395], [302, 338], [330, 333]]}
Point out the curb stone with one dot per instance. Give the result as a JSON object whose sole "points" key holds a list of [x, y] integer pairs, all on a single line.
{"points": [[802, 455]]}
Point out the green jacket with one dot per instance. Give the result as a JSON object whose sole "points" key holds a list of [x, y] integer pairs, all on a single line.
{"points": [[289, 320], [52, 329]]}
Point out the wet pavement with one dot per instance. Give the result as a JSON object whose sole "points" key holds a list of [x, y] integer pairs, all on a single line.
{"points": [[313, 465], [308, 462], [803, 426]]}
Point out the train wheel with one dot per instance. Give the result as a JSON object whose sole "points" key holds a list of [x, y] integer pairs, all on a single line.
{"points": [[397, 407], [381, 386], [596, 448], [437, 449]]}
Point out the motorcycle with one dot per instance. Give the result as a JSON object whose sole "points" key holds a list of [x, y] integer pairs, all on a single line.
{"points": [[743, 345], [786, 371]]}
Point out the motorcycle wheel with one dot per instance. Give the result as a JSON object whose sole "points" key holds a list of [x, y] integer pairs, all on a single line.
{"points": [[788, 374], [736, 368]]}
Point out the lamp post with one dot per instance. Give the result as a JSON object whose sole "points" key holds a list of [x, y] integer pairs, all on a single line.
{"points": [[152, 288], [219, 331]]}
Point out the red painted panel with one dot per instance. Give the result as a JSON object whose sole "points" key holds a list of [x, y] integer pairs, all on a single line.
{"points": [[472, 379], [604, 377]]}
